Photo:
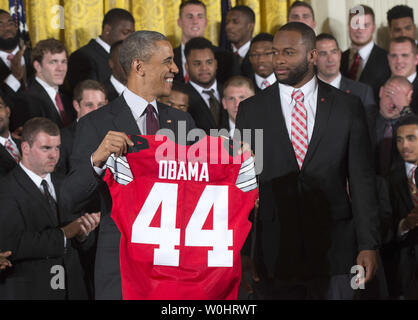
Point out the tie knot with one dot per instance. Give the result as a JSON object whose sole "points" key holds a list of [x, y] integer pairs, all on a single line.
{"points": [[44, 184], [208, 92], [10, 57], [266, 83], [150, 109], [297, 95]]}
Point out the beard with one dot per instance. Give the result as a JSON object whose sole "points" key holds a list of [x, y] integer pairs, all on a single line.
{"points": [[10, 43], [296, 75]]}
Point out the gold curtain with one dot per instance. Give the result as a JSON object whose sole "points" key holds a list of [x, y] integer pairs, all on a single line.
{"points": [[75, 22]]}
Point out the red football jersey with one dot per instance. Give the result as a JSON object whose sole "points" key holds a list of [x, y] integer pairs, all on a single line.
{"points": [[183, 217]]}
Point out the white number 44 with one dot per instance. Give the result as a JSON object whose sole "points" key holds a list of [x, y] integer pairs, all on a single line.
{"points": [[167, 236]]}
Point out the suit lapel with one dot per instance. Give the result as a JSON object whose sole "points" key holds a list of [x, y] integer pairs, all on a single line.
{"points": [[324, 103], [32, 190], [124, 120], [45, 97]]}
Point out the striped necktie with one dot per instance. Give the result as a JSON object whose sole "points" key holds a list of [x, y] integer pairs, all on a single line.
{"points": [[299, 127]]}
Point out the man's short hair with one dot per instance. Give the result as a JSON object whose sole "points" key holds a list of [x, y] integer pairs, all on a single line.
{"points": [[400, 80], [239, 81], [366, 10], [116, 15], [139, 45], [326, 36], [190, 2], [87, 85], [180, 87], [400, 11], [301, 4], [263, 36], [50, 45], [308, 35], [198, 43], [403, 39], [246, 11], [410, 119], [34, 126], [4, 12]]}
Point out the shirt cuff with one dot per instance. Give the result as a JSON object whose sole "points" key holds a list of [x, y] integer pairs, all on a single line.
{"points": [[12, 82], [401, 232], [98, 170]]}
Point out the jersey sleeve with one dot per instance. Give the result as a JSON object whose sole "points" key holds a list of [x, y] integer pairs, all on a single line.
{"points": [[246, 180], [120, 169]]}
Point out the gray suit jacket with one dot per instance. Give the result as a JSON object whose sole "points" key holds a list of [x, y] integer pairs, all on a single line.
{"points": [[361, 90]]}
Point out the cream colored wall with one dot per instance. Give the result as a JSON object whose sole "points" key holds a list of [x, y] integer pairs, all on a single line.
{"points": [[332, 17]]}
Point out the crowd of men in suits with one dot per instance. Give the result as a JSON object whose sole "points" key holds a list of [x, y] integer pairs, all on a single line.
{"points": [[340, 136]]}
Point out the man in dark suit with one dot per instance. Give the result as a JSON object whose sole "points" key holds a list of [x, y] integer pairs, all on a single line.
{"points": [[89, 95], [147, 59], [328, 70], [116, 84], [36, 225], [403, 61], [315, 140], [260, 55], [192, 21], [92, 60], [395, 99], [43, 98], [399, 255], [364, 61], [239, 28], [205, 93], [9, 147]]}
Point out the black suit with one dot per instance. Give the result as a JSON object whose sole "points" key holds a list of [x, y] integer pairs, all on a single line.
{"points": [[89, 62], [400, 255], [67, 142], [375, 72], [38, 103], [111, 93], [7, 162], [308, 227], [201, 113], [361, 90], [31, 230], [91, 130], [228, 65]]}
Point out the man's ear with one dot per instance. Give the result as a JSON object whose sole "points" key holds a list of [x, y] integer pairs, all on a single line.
{"points": [[37, 66], [76, 106], [137, 66]]}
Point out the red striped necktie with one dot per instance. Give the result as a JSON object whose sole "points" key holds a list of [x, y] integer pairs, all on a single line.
{"points": [[299, 127]]}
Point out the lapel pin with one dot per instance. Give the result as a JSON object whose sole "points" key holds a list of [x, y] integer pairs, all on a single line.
{"points": [[348, 91], [322, 100], [168, 121]]}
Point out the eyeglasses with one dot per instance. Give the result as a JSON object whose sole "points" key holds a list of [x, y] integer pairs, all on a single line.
{"points": [[259, 55]]}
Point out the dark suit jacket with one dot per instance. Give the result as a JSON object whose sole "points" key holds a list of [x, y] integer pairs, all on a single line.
{"points": [[67, 142], [308, 226], [91, 130], [111, 92], [375, 72], [400, 255], [38, 104], [88, 62], [31, 230], [228, 65], [200, 111], [361, 90], [7, 163], [5, 71]]}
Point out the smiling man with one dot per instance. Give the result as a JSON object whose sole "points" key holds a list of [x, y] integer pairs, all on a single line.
{"points": [[315, 139], [43, 98], [403, 61], [147, 59]]}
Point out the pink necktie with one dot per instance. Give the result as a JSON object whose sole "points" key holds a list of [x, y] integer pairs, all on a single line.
{"points": [[266, 84], [299, 130], [12, 150]]}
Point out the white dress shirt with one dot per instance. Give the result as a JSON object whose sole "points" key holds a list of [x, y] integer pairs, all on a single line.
{"points": [[259, 81], [231, 127], [336, 83], [3, 142], [52, 92], [103, 44], [364, 54], [11, 80], [412, 77], [310, 91], [119, 86], [206, 97], [242, 51]]}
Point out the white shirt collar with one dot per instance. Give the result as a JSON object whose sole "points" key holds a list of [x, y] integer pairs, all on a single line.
{"points": [[231, 127], [308, 88], [259, 80], [336, 83], [412, 77], [103, 44], [409, 167], [243, 50], [52, 92], [37, 180], [137, 104], [200, 89], [366, 51], [119, 86], [3, 140]]}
